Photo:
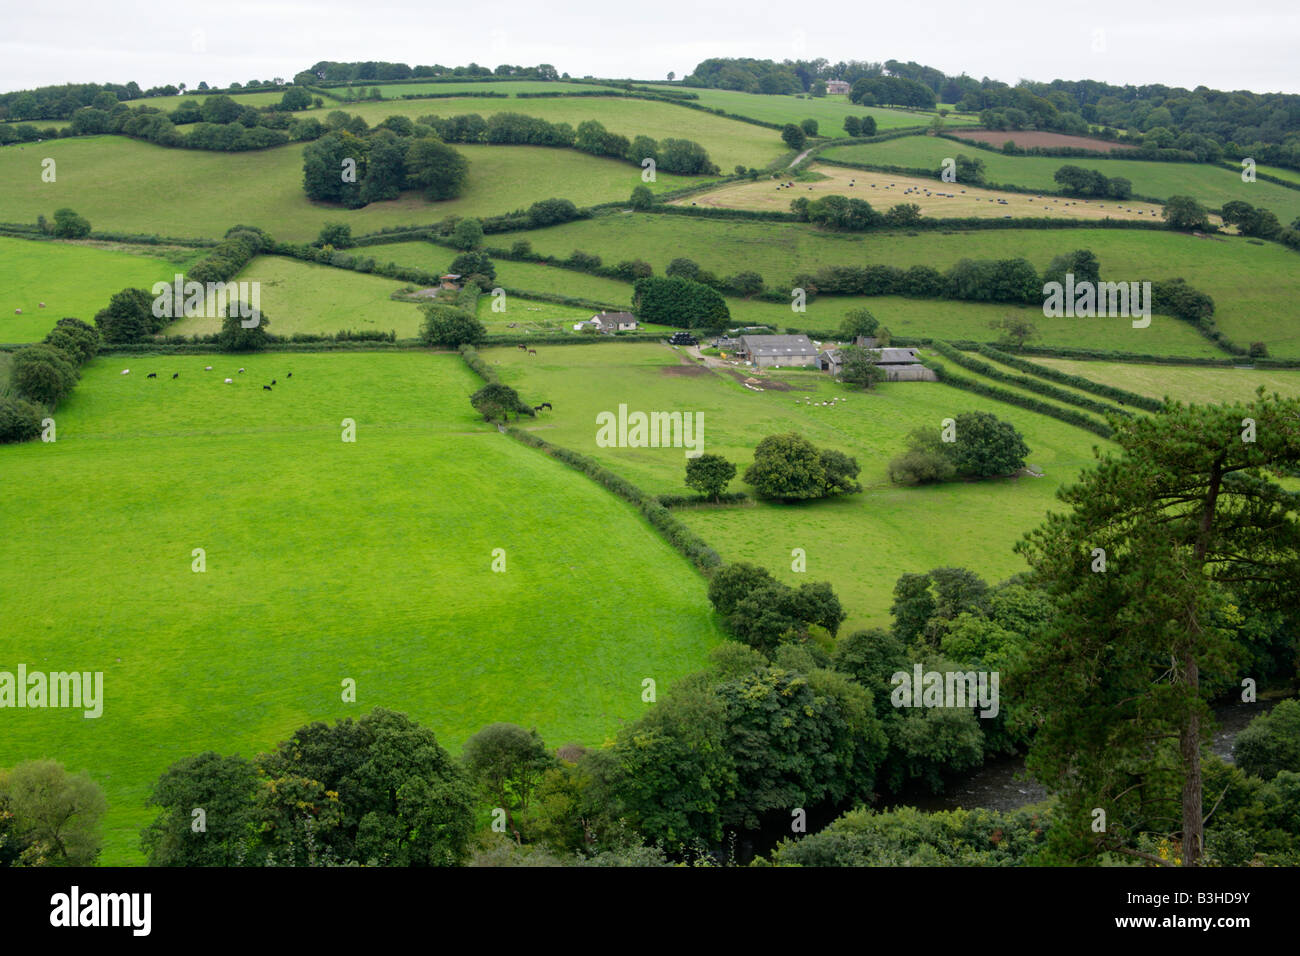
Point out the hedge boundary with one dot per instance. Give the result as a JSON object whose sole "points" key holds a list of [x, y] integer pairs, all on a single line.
{"points": [[1077, 381]]}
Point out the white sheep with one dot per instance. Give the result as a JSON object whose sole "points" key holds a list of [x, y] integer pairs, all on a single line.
{"points": [[230, 381], [126, 371]]}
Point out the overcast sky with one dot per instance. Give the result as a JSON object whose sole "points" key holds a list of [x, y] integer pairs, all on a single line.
{"points": [[1238, 45]]}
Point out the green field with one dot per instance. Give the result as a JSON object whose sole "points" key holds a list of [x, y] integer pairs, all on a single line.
{"points": [[169, 103], [325, 561], [130, 186], [1290, 175], [1254, 287], [305, 297], [829, 111], [526, 316], [1212, 185], [861, 543], [1183, 384], [510, 87], [73, 279], [729, 142]]}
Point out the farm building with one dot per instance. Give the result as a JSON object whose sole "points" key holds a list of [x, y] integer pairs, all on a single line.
{"points": [[451, 281], [837, 87], [898, 364], [609, 323], [764, 351]]}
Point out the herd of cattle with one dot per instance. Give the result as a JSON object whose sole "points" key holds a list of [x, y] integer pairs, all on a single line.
{"points": [[208, 368]]}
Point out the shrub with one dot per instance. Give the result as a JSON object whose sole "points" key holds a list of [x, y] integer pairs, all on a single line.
{"points": [[20, 420], [43, 373], [69, 225], [450, 327]]}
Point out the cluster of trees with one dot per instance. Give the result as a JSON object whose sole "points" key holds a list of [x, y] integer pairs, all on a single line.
{"points": [[218, 123], [789, 467], [332, 71], [980, 280], [355, 166], [378, 791], [764, 613], [68, 224], [678, 301], [892, 91], [844, 214], [682, 156], [1077, 181], [966, 169], [495, 402], [60, 102], [41, 375], [971, 445], [1253, 221], [860, 126]]}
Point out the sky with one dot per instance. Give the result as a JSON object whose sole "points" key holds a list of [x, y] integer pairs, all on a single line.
{"points": [[1230, 46]]}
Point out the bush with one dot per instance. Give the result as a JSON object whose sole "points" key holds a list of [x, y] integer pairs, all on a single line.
{"points": [[236, 337], [69, 225], [449, 327], [43, 373], [20, 420], [788, 467], [1270, 744]]}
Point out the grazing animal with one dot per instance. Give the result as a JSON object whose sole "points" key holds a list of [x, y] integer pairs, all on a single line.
{"points": [[532, 351], [207, 368], [230, 381], [126, 371], [290, 375], [175, 376], [18, 311], [547, 406], [266, 388], [537, 408], [41, 304], [152, 375], [522, 348], [272, 381], [241, 371]]}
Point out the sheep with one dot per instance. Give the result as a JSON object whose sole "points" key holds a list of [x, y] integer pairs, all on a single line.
{"points": [[41, 304], [18, 311], [207, 368], [241, 371], [230, 381], [126, 371]]}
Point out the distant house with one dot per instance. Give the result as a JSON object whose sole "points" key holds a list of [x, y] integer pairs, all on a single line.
{"points": [[765, 351], [450, 281], [609, 323], [837, 87]]}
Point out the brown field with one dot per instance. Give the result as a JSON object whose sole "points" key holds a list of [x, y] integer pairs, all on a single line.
{"points": [[1026, 138], [945, 200]]}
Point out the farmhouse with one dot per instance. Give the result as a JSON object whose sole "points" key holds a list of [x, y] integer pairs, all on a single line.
{"points": [[837, 87], [764, 351], [609, 323]]}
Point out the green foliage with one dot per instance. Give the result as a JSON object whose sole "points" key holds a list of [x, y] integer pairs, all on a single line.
{"points": [[20, 420], [859, 367], [506, 763], [128, 317], [447, 326], [709, 474], [789, 467], [44, 374], [468, 234], [336, 234], [1271, 742], [495, 402], [474, 263], [1185, 213], [436, 168], [793, 136], [69, 225], [809, 126], [237, 335], [642, 198], [679, 302], [223, 788], [49, 817], [858, 322]]}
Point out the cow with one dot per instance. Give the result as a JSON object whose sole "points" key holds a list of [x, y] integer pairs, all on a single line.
{"points": [[152, 375], [266, 388], [522, 347], [241, 371], [546, 405], [272, 381], [18, 311], [290, 375], [532, 351], [175, 376], [41, 304]]}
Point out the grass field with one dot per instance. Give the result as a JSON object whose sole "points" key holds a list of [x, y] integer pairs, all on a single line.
{"points": [[528, 316], [1212, 185], [129, 186], [305, 297], [325, 561], [1254, 287], [729, 142], [1183, 384], [73, 279], [510, 87], [861, 543], [169, 103], [1290, 175], [829, 111], [884, 190]]}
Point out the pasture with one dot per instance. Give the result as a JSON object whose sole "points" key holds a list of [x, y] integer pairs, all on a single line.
{"points": [[325, 561], [130, 186], [939, 200], [1254, 286], [1211, 185], [74, 279], [510, 87], [861, 543], [829, 111], [306, 297], [169, 103], [1184, 384]]}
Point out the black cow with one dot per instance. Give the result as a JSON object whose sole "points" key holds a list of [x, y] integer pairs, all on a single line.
{"points": [[272, 381], [546, 405], [152, 375], [266, 388], [175, 376], [290, 375]]}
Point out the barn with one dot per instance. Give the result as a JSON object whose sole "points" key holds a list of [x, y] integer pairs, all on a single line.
{"points": [[765, 351]]}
